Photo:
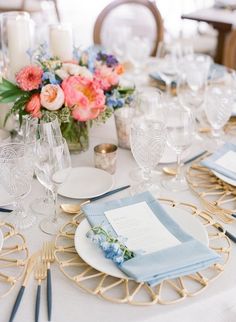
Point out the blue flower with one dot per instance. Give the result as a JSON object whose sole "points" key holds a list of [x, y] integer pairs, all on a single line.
{"points": [[111, 102], [115, 247], [51, 77], [76, 53], [105, 245], [109, 254], [118, 259]]}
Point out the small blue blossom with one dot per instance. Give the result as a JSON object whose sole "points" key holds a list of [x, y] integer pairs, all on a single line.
{"points": [[118, 259], [115, 247], [51, 78], [109, 254], [104, 245], [111, 246], [77, 54]]}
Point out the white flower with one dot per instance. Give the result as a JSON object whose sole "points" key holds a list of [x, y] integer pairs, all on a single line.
{"points": [[69, 69]]}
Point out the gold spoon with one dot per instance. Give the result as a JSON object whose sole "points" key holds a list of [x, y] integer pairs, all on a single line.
{"points": [[173, 171], [169, 170], [75, 208], [72, 208]]}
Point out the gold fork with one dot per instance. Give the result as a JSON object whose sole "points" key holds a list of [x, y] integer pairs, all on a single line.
{"points": [[40, 274], [48, 258]]}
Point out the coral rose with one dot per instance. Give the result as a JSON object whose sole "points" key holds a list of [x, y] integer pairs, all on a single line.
{"points": [[29, 78], [52, 97], [85, 98], [33, 106]]}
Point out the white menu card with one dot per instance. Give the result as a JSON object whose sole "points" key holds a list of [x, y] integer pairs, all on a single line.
{"points": [[141, 227], [228, 161]]}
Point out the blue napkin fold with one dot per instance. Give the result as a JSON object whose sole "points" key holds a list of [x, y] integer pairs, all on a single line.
{"points": [[216, 71], [186, 258], [210, 162]]}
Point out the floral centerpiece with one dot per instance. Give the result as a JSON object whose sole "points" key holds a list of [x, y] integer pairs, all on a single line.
{"points": [[79, 92]]}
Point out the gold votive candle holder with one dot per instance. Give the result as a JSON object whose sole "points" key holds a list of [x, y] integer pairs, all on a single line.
{"points": [[123, 119], [105, 156]]}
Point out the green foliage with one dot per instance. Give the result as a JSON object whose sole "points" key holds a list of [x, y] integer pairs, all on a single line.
{"points": [[11, 93]]}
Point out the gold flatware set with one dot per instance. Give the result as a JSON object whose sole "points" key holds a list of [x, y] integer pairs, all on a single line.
{"points": [[40, 262]]}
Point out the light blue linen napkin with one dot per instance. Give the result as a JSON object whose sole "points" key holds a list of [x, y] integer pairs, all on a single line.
{"points": [[216, 72], [210, 162], [186, 258]]}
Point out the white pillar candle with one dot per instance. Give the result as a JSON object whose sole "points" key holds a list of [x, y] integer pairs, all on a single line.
{"points": [[61, 41], [19, 41]]}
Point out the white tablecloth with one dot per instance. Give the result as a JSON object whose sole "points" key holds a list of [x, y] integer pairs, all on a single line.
{"points": [[216, 304]]}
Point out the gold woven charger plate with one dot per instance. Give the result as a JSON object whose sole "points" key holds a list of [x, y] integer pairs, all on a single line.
{"points": [[217, 196], [13, 258], [120, 290]]}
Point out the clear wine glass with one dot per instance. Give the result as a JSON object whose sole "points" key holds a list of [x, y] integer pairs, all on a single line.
{"points": [[180, 133], [138, 50], [218, 109], [46, 129], [52, 168], [148, 139], [16, 173], [191, 92]]}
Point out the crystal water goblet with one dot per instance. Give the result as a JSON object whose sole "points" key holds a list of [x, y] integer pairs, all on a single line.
{"points": [[52, 168], [148, 105], [218, 109], [16, 173], [180, 133], [148, 139]]}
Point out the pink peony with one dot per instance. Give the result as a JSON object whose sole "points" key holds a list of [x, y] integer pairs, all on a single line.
{"points": [[106, 77], [85, 98], [52, 97], [29, 77], [33, 106]]}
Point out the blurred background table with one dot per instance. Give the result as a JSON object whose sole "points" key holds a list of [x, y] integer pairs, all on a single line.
{"points": [[222, 20]]}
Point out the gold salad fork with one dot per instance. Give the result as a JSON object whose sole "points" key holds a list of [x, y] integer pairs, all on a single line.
{"points": [[40, 274], [48, 258]]}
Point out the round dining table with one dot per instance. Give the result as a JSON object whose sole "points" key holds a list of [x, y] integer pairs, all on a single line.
{"points": [[217, 303]]}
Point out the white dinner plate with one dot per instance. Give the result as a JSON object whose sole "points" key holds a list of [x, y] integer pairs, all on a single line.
{"points": [[5, 197], [224, 178], [86, 183], [1, 239], [94, 256]]}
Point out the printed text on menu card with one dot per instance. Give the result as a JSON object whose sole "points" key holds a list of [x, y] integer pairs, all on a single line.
{"points": [[141, 227]]}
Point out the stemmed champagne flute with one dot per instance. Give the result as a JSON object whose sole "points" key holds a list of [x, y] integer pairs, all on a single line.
{"points": [[53, 165], [180, 133], [16, 173], [148, 139]]}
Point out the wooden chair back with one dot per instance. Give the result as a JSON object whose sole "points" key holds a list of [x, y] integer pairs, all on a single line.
{"points": [[229, 56], [115, 4]]}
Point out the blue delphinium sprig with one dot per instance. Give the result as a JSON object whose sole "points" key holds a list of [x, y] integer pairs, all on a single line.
{"points": [[113, 247]]}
